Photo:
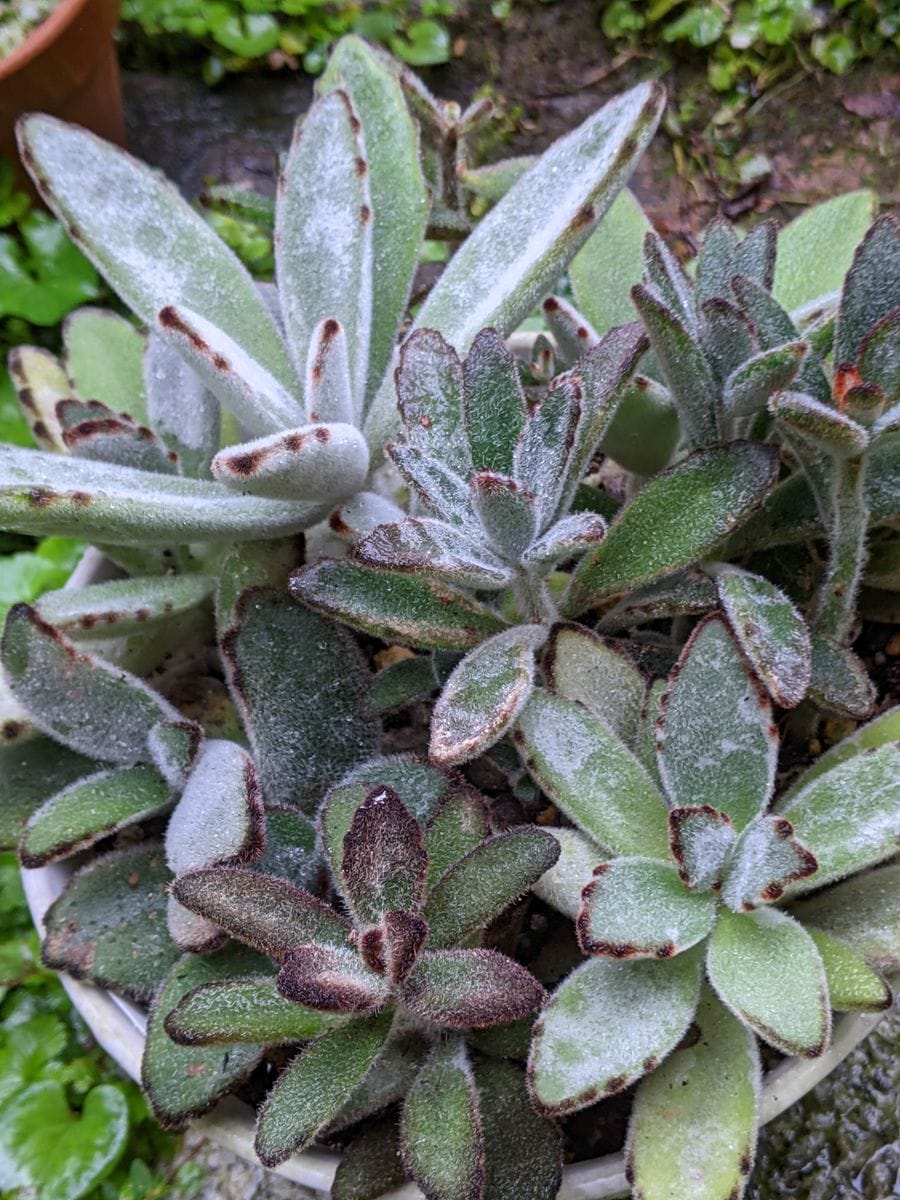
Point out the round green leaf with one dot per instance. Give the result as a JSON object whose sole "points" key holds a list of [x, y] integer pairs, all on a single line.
{"points": [[58, 1153]]}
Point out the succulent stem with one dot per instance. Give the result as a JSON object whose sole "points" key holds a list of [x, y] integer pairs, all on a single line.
{"points": [[850, 516]]}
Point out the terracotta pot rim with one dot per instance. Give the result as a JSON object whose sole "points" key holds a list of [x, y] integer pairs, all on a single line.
{"points": [[42, 36], [120, 1028]]}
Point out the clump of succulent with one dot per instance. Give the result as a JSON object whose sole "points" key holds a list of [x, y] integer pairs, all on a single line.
{"points": [[493, 484], [402, 972], [300, 371], [730, 360], [686, 884]]}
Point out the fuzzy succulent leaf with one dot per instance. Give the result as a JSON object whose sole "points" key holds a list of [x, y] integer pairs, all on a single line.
{"points": [[853, 986], [765, 860], [458, 824], [755, 254], [480, 885], [687, 593], [441, 551], [863, 911], [839, 681], [523, 1152], [395, 1070], [253, 565], [603, 788], [182, 410], [396, 184], [40, 383], [582, 666], [239, 1011], [508, 512], [219, 819], [484, 695], [173, 747], [470, 989], [429, 382], [108, 907], [678, 519], [419, 786], [773, 328], [493, 403], [870, 288], [323, 234], [568, 538], [717, 744], [327, 388], [749, 387], [186, 1081], [714, 262], [441, 1139], [91, 809], [826, 428], [384, 861], [727, 337], [765, 967], [122, 607], [370, 1165], [331, 979], [402, 683], [96, 433], [603, 371], [266, 913], [401, 608], [104, 356], [53, 495], [701, 839], [321, 463], [879, 364], [290, 851], [848, 817], [692, 1134], [639, 908], [84, 702], [571, 331], [139, 232], [561, 886], [770, 632], [438, 489], [606, 1025], [542, 457], [30, 772], [551, 210], [299, 683], [687, 375], [815, 250], [664, 274], [261, 404], [314, 1086]]}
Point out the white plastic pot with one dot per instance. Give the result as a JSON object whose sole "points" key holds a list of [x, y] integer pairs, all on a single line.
{"points": [[119, 1027]]}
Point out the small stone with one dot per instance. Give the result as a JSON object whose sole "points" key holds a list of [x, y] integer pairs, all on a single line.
{"points": [[892, 649]]}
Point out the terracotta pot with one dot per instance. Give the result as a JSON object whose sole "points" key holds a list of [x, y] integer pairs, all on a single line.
{"points": [[66, 67], [120, 1028]]}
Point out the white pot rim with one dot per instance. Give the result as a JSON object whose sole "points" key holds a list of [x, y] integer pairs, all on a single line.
{"points": [[120, 1028]]}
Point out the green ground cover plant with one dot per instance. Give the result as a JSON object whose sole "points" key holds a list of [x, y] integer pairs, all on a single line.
{"points": [[71, 1127], [242, 34], [545, 851], [753, 43]]}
